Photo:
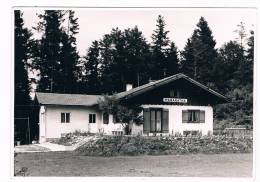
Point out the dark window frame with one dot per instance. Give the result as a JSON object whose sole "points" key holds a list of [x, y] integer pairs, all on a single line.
{"points": [[174, 93], [65, 117], [92, 118], [194, 114], [105, 118], [155, 123]]}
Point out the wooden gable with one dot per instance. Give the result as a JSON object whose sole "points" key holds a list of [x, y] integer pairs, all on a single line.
{"points": [[178, 92]]}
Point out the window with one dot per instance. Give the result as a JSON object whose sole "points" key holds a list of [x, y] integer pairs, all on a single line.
{"points": [[92, 118], [115, 119], [193, 116], [65, 117], [105, 118], [174, 93], [156, 120]]}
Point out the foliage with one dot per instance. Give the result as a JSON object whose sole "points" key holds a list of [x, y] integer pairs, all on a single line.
{"points": [[124, 59], [22, 55], [125, 145], [200, 53], [234, 71], [55, 54], [164, 59], [123, 114], [91, 69], [241, 31], [69, 55], [172, 60], [72, 138]]}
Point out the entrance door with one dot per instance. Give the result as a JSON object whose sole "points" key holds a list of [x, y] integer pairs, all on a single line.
{"points": [[156, 120]]}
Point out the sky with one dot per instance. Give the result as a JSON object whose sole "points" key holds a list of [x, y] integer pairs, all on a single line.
{"points": [[181, 22]]}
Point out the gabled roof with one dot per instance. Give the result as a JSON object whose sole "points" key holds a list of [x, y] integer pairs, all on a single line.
{"points": [[158, 83], [91, 100], [67, 99]]}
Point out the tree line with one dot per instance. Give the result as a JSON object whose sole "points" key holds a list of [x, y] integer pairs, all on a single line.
{"points": [[125, 56]]}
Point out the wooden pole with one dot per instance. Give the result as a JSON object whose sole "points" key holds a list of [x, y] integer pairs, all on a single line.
{"points": [[29, 132]]}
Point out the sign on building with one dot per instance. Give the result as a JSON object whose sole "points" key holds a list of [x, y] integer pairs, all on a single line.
{"points": [[177, 100]]}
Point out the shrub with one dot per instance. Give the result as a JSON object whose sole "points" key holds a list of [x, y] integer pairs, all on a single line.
{"points": [[140, 145], [129, 149]]}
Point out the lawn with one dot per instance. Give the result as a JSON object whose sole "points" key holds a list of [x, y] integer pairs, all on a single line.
{"points": [[196, 165]]}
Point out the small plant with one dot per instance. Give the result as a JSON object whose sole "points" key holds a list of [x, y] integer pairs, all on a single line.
{"points": [[177, 134]]}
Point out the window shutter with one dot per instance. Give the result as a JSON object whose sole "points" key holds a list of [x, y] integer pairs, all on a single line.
{"points": [[202, 116], [197, 116], [152, 120], [94, 118], [89, 118], [146, 125], [185, 116], [165, 124], [105, 118], [62, 117], [67, 117]]}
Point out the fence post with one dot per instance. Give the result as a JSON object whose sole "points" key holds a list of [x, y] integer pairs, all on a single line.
{"points": [[28, 120]]}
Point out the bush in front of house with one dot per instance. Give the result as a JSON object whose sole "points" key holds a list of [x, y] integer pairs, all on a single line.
{"points": [[140, 145], [71, 138]]}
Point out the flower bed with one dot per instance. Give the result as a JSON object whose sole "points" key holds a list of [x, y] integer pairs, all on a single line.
{"points": [[139, 145]]}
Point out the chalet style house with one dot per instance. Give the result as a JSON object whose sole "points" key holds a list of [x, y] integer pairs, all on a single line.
{"points": [[176, 104]]}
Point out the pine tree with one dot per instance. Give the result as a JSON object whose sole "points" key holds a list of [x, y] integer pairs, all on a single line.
{"points": [[21, 51], [160, 43], [160, 40], [172, 60], [124, 56], [241, 31], [47, 58], [250, 50], [113, 77], [246, 66], [92, 79], [204, 52], [106, 60], [69, 55], [188, 60], [136, 55], [22, 100]]}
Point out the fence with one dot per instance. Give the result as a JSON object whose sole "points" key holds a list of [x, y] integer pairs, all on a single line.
{"points": [[236, 132]]}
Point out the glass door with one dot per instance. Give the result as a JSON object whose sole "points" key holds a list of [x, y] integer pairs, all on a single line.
{"points": [[156, 120]]}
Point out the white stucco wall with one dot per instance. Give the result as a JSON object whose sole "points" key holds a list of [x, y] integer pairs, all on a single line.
{"points": [[79, 120], [175, 118], [51, 126], [111, 126]]}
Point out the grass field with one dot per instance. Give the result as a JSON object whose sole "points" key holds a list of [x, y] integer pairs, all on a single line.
{"points": [[197, 165]]}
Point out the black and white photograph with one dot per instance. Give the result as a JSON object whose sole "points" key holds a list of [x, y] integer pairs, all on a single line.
{"points": [[133, 92]]}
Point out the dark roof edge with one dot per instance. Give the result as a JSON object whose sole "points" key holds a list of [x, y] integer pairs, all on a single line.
{"points": [[169, 79], [205, 87]]}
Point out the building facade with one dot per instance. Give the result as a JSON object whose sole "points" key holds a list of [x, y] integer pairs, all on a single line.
{"points": [[171, 106]]}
